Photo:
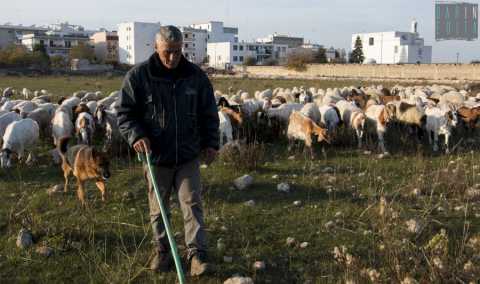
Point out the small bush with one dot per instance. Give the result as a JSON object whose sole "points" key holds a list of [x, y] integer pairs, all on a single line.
{"points": [[250, 61], [243, 156], [299, 61]]}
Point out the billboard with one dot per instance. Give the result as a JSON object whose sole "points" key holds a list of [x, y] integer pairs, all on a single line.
{"points": [[456, 21]]}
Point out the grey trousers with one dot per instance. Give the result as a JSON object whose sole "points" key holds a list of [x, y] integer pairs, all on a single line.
{"points": [[185, 180]]}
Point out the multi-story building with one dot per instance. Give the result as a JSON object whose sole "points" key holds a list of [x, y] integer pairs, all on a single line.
{"points": [[394, 47], [291, 42], [105, 45], [223, 55], [136, 41], [194, 44], [12, 34], [54, 43], [216, 32]]}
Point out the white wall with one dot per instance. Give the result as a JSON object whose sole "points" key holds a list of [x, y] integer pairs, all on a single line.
{"points": [[136, 41]]}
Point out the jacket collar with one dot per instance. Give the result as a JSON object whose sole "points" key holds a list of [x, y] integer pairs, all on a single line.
{"points": [[157, 70]]}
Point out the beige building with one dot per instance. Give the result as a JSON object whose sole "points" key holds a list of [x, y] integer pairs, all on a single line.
{"points": [[105, 45]]}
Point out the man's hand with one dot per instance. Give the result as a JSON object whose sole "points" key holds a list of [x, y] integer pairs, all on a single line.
{"points": [[142, 145], [210, 155]]}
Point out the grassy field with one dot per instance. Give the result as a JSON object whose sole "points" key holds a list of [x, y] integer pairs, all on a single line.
{"points": [[412, 215]]}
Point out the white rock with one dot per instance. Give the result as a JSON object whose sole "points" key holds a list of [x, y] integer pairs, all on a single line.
{"points": [[291, 158], [414, 226], [44, 250], [243, 182], [328, 170], [339, 214], [228, 259], [250, 203], [275, 177], [283, 187], [329, 225], [24, 239], [259, 265], [367, 152], [239, 280], [416, 192], [297, 203], [55, 189], [304, 245], [220, 245], [291, 241], [204, 166]]}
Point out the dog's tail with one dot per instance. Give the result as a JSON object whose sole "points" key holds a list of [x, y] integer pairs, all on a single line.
{"points": [[62, 145]]}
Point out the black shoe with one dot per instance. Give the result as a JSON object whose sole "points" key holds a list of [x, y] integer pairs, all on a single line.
{"points": [[161, 262], [199, 266]]}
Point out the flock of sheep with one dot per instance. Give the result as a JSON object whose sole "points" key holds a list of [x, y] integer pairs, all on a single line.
{"points": [[301, 113], [296, 113], [24, 121]]}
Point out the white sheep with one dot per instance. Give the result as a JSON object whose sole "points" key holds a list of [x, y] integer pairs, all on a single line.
{"points": [[312, 111], [353, 117], [330, 117], [440, 121], [5, 120], [20, 136], [84, 128], [379, 116], [225, 128], [62, 125]]}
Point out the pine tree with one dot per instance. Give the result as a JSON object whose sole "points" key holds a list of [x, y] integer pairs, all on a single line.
{"points": [[357, 53]]}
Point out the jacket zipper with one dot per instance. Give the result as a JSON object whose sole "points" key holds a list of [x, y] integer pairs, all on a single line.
{"points": [[176, 125]]}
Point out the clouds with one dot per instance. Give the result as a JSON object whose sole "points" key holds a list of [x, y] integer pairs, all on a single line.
{"points": [[325, 22]]}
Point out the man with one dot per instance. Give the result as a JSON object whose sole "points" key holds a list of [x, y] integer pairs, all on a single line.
{"points": [[167, 107]]}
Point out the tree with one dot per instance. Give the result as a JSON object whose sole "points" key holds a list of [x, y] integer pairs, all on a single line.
{"points": [[320, 56], [58, 62], [357, 53], [40, 57], [250, 61], [82, 51]]}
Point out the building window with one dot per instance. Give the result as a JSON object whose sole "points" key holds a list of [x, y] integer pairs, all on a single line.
{"points": [[241, 47], [186, 35], [219, 57], [284, 49], [235, 47], [186, 45], [235, 59], [208, 36], [241, 58], [371, 41], [186, 54], [193, 45], [42, 42], [396, 49], [420, 52], [68, 44]]}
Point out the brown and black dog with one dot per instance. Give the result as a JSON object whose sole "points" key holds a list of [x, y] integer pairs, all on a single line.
{"points": [[86, 163]]}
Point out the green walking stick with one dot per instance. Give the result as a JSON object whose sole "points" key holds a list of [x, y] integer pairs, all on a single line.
{"points": [[166, 223]]}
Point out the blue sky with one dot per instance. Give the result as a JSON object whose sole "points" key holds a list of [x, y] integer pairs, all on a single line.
{"points": [[330, 23]]}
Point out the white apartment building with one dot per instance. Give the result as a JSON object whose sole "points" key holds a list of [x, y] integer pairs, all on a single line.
{"points": [[136, 41], [394, 47], [216, 32], [194, 44], [292, 42], [223, 55]]}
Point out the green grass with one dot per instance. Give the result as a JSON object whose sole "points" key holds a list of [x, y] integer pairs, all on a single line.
{"points": [[110, 242]]}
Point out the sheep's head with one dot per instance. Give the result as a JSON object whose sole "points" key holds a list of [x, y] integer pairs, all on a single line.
{"points": [[6, 156], [391, 111], [322, 133]]}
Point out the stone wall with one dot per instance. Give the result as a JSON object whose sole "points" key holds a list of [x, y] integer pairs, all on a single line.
{"points": [[462, 72]]}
